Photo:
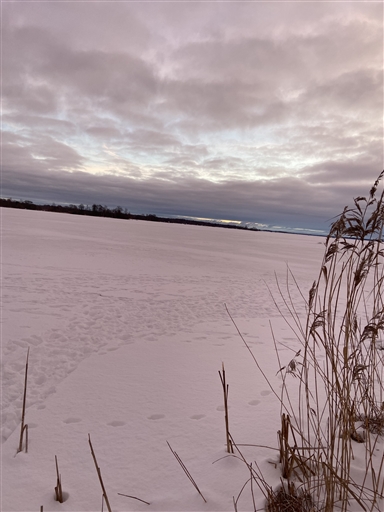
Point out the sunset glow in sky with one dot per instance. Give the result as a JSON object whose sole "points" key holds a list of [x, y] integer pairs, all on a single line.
{"points": [[269, 112]]}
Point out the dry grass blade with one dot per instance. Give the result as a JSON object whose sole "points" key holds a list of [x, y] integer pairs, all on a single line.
{"points": [[133, 497], [225, 392], [24, 428], [99, 475], [256, 474], [251, 353], [186, 471]]}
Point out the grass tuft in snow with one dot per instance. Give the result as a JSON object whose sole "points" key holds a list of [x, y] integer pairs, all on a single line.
{"points": [[289, 499]]}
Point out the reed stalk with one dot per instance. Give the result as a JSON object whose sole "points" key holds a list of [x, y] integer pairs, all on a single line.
{"points": [[99, 475], [225, 393], [24, 427]]}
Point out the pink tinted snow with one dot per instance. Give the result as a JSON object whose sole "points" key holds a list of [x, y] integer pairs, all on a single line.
{"points": [[127, 329]]}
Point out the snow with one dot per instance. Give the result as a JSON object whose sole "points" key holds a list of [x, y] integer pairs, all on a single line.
{"points": [[127, 327]]}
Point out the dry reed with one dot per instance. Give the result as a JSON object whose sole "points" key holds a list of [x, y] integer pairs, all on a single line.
{"points": [[184, 468], [338, 370], [225, 393], [24, 428], [104, 496], [58, 488]]}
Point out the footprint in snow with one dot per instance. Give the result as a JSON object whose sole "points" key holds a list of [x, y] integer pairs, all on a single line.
{"points": [[72, 420], [254, 402], [116, 423], [221, 408], [266, 392], [156, 416], [197, 416], [40, 379]]}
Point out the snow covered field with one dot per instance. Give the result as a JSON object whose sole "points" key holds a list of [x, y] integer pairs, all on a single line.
{"points": [[127, 329]]}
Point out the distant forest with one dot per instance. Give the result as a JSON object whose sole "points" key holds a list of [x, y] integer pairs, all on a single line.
{"points": [[97, 210]]}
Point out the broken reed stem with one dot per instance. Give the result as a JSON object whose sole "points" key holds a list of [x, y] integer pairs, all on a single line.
{"points": [[133, 497], [99, 475], [186, 472], [225, 391], [283, 444], [58, 488], [24, 427]]}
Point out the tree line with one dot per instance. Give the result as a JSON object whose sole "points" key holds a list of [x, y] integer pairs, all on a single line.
{"points": [[98, 210]]}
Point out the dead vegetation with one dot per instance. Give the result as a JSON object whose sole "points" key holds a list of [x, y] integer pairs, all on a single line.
{"points": [[24, 427], [337, 374]]}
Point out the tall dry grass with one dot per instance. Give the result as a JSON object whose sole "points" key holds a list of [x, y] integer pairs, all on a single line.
{"points": [[337, 374]]}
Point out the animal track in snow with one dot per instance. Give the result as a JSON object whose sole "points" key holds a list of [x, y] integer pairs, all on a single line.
{"points": [[40, 379], [116, 423], [266, 392], [254, 402], [72, 420], [197, 416], [83, 309], [221, 408], [156, 416]]}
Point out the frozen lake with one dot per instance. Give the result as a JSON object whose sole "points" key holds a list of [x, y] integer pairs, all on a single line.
{"points": [[127, 329]]}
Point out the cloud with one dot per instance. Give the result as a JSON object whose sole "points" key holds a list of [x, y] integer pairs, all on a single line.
{"points": [[34, 153], [291, 202], [195, 105]]}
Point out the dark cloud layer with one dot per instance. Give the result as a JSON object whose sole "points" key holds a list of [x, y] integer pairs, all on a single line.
{"points": [[265, 112], [287, 202]]}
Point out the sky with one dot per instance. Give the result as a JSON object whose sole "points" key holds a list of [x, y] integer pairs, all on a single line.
{"points": [[264, 112]]}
